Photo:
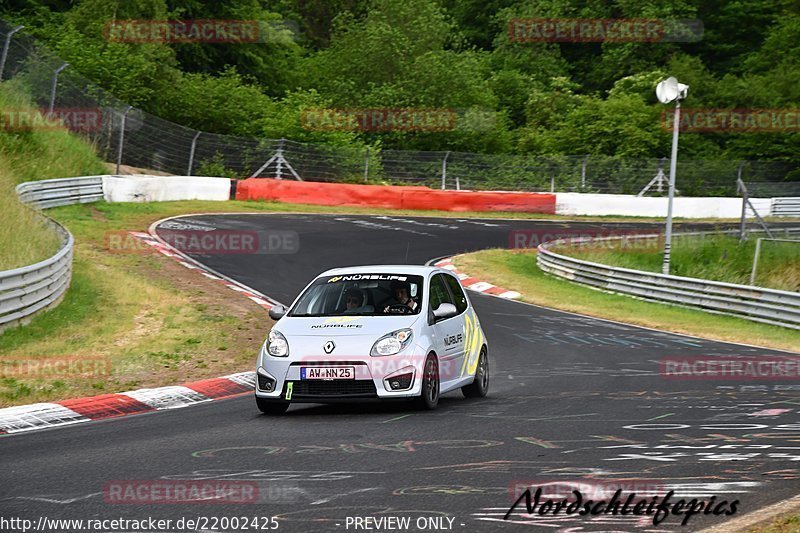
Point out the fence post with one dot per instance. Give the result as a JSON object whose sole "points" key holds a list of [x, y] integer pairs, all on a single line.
{"points": [[122, 137], [742, 230], [583, 171], [444, 170], [366, 166], [552, 184], [191, 153], [5, 50], [53, 87], [279, 160]]}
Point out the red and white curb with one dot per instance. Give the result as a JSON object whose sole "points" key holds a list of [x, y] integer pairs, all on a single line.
{"points": [[474, 284], [164, 248], [45, 415], [75, 411]]}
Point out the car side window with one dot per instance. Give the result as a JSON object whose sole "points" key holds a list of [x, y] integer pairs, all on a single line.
{"points": [[439, 294], [457, 292]]}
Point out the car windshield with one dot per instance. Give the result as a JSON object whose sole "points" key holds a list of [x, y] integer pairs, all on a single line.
{"points": [[368, 294]]}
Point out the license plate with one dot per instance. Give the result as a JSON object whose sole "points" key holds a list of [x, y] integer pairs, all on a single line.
{"points": [[328, 372]]}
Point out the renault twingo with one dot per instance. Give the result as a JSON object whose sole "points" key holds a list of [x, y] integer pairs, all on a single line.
{"points": [[374, 332]]}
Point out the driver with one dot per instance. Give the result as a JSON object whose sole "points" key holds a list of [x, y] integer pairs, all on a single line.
{"points": [[402, 296]]}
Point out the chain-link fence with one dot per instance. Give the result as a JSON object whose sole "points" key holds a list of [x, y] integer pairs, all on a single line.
{"points": [[129, 136]]}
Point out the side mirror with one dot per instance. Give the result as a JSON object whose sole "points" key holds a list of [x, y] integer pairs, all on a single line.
{"points": [[277, 312], [444, 310]]}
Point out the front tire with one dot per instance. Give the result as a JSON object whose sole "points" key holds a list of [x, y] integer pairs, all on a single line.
{"points": [[479, 387], [429, 395], [271, 407]]}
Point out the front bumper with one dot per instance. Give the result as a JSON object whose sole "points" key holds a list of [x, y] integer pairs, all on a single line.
{"points": [[280, 379]]}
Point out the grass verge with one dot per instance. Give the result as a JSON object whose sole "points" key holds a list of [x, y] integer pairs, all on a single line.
{"points": [[785, 524], [151, 321], [29, 154], [517, 270], [715, 257]]}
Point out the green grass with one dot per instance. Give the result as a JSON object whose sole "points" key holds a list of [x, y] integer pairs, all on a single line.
{"points": [[786, 524], [715, 257], [156, 322], [25, 237], [517, 270]]}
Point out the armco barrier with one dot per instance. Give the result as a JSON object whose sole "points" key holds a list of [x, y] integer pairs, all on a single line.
{"points": [[752, 303], [26, 291], [786, 207], [52, 193], [392, 197]]}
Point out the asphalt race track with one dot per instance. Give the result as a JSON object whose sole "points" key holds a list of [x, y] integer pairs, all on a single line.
{"points": [[570, 398]]}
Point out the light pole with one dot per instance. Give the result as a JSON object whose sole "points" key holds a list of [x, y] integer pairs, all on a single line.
{"points": [[668, 91]]}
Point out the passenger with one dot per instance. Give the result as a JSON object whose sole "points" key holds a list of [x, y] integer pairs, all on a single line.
{"points": [[355, 302]]}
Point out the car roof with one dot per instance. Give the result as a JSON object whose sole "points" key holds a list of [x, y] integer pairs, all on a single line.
{"points": [[417, 270]]}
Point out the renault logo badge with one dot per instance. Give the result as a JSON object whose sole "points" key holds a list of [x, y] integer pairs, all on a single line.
{"points": [[329, 346]]}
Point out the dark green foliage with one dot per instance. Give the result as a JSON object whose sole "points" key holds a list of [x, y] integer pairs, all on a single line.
{"points": [[540, 99]]}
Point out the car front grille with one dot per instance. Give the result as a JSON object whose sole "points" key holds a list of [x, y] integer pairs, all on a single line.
{"points": [[340, 388]]}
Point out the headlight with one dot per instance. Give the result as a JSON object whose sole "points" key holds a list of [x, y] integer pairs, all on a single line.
{"points": [[392, 343], [277, 345]]}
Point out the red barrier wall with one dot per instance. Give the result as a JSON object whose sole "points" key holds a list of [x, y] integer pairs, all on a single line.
{"points": [[392, 197]]}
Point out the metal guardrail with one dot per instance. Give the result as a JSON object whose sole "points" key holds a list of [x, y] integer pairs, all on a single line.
{"points": [[28, 290], [67, 191], [759, 304], [785, 207]]}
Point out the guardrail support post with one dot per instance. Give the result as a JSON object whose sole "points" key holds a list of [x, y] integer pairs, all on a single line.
{"points": [[122, 137], [54, 86], [191, 153], [5, 50]]}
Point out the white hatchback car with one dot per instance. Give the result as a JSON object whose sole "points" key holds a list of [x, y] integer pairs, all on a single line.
{"points": [[374, 332]]}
